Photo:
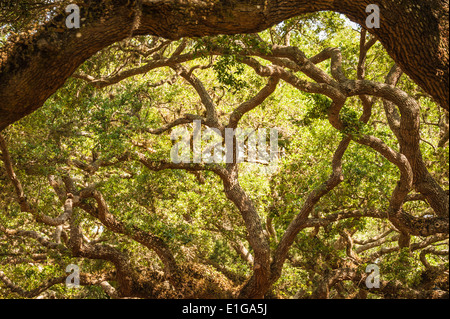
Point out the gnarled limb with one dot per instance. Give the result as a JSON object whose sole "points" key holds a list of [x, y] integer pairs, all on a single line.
{"points": [[56, 55]]}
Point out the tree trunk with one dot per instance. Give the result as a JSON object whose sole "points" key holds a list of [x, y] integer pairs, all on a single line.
{"points": [[258, 284]]}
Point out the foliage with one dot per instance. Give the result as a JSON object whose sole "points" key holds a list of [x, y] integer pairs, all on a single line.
{"points": [[189, 210]]}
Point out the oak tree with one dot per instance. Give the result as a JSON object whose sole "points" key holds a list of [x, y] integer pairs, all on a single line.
{"points": [[362, 117]]}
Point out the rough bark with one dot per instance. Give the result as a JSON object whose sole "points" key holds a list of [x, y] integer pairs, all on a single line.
{"points": [[259, 283], [415, 34]]}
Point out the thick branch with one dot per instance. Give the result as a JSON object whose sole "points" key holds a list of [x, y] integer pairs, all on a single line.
{"points": [[249, 105], [145, 238], [54, 56]]}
